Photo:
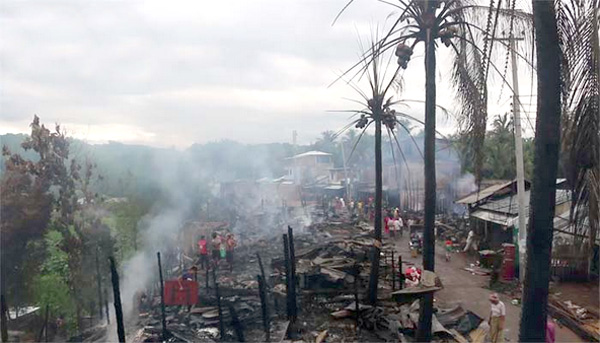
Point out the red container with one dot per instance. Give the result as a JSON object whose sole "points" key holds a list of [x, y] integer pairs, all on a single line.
{"points": [[508, 262], [181, 292]]}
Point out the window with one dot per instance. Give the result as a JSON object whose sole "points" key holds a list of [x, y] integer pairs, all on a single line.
{"points": [[323, 159]]}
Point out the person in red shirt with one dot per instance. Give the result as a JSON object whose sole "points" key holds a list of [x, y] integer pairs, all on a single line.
{"points": [[448, 249], [387, 222], [203, 252]]}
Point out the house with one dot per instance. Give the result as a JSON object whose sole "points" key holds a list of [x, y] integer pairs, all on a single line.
{"points": [[307, 167], [494, 212]]}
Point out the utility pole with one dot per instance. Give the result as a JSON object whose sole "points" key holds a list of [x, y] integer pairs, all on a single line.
{"points": [[516, 102], [347, 183]]}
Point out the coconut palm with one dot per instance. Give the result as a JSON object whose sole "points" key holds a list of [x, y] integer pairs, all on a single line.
{"points": [[454, 24], [547, 142], [378, 110], [578, 33]]}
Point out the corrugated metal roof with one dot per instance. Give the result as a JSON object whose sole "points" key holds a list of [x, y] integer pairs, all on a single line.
{"points": [[493, 217], [510, 204], [483, 194], [311, 153]]}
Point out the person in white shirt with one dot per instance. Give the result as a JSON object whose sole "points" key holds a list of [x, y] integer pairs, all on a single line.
{"points": [[497, 317], [470, 238], [398, 225]]}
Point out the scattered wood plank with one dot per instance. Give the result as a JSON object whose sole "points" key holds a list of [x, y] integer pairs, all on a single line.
{"points": [[321, 337]]}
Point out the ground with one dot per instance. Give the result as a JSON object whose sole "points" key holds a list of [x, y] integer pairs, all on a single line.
{"points": [[469, 290]]}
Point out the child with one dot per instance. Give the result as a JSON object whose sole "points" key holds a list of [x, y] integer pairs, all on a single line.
{"points": [[448, 249]]}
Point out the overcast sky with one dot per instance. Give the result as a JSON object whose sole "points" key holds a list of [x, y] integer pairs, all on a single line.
{"points": [[171, 73]]}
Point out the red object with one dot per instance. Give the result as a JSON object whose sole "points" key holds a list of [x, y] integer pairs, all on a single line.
{"points": [[181, 292], [508, 262], [202, 247]]}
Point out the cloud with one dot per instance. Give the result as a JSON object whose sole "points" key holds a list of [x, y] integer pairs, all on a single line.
{"points": [[178, 72]]}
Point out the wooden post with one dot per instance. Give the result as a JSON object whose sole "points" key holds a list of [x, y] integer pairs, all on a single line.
{"points": [[106, 306], [264, 308], [206, 279], [400, 273], [393, 272], [3, 318], [99, 286], [286, 255], [294, 310], [356, 282], [44, 326], [117, 300], [237, 325], [221, 324], [162, 300]]}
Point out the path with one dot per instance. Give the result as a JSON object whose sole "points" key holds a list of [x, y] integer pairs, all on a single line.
{"points": [[462, 287]]}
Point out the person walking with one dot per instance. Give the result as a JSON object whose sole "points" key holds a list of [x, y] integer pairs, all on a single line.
{"points": [[497, 318], [399, 225], [203, 252]]}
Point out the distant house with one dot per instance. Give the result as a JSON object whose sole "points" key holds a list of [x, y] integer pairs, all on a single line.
{"points": [[307, 167]]}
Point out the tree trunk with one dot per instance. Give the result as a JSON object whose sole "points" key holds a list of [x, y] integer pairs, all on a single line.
{"points": [[374, 276], [543, 188], [426, 308]]}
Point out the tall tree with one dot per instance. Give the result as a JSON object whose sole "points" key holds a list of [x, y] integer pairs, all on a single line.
{"points": [[578, 33], [543, 189], [452, 20]]}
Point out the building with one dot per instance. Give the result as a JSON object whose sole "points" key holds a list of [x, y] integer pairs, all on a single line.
{"points": [[308, 167]]}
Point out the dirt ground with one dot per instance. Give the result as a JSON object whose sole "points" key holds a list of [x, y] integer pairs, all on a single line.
{"points": [[469, 290]]}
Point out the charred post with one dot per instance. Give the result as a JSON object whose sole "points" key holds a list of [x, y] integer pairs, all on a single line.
{"points": [[294, 304], [393, 272], [400, 273], [264, 308], [356, 282], [117, 300], [3, 318], [286, 255], [162, 299], [237, 325], [221, 323]]}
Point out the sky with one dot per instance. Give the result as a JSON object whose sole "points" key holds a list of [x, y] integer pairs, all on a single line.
{"points": [[174, 73]]}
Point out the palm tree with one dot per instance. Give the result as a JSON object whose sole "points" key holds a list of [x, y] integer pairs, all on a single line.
{"points": [[578, 34], [426, 21], [543, 190]]}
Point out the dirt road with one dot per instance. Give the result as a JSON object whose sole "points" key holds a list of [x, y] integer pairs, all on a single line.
{"points": [[462, 287]]}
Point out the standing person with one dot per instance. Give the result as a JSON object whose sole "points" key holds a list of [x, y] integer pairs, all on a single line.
{"points": [[448, 249], [470, 238], [359, 208], [398, 226], [386, 221], [497, 318], [216, 248], [230, 245], [203, 252]]}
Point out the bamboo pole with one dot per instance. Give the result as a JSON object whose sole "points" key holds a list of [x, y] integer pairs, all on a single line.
{"points": [[117, 300], [221, 324], [293, 273], [264, 308]]}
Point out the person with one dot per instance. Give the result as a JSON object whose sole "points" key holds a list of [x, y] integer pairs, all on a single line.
{"points": [[216, 248], [190, 274], [230, 244], [550, 330], [359, 208], [386, 221], [396, 213], [470, 238], [399, 225], [448, 249], [497, 318], [203, 252]]}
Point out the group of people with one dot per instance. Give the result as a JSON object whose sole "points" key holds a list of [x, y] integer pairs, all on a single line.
{"points": [[221, 247], [394, 223]]}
